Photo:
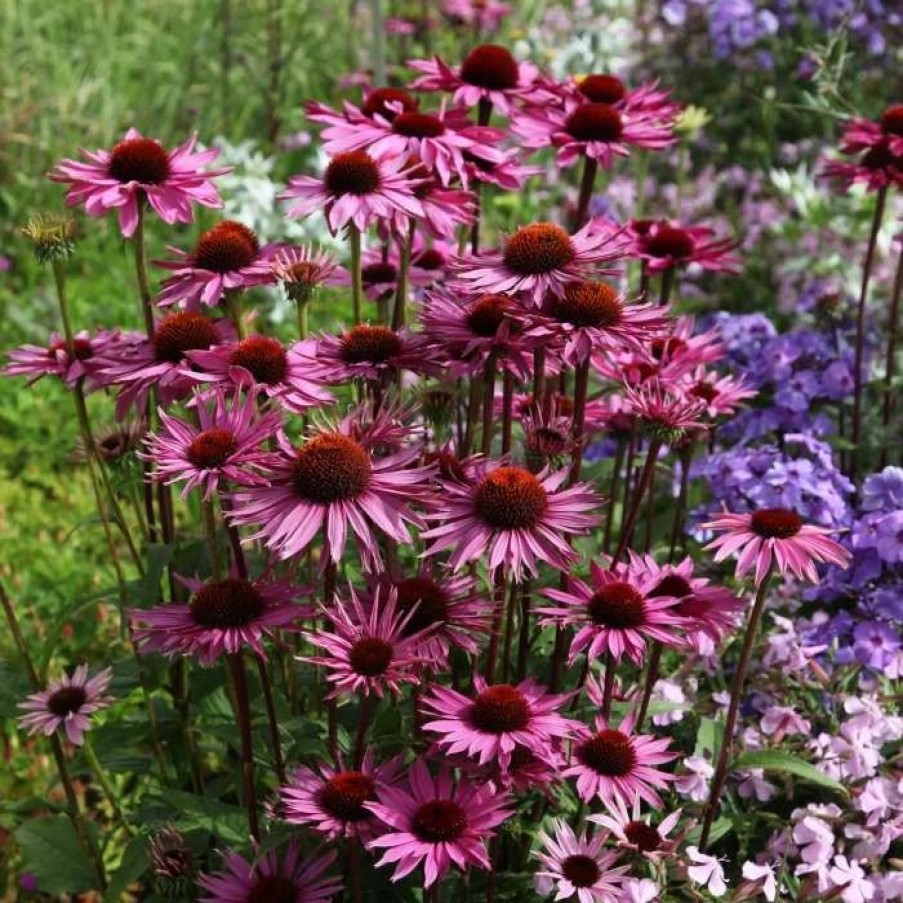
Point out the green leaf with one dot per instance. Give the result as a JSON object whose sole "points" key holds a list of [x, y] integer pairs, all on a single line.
{"points": [[131, 868], [709, 737], [229, 823], [720, 827], [52, 851], [775, 760]]}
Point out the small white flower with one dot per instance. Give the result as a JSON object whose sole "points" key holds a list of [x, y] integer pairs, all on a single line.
{"points": [[707, 872]]}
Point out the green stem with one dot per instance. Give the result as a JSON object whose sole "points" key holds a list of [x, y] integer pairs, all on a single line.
{"points": [[399, 313], [234, 304], [301, 312], [243, 713], [101, 778], [357, 286]]}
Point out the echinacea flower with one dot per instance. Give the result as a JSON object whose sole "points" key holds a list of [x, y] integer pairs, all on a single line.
{"points": [[302, 271], [443, 209], [614, 763], [138, 169], [224, 443], [221, 617], [488, 74], [366, 648], [261, 365], [55, 359], [68, 703], [879, 146], [161, 360], [512, 517], [606, 88], [482, 15], [663, 245], [497, 720], [540, 260], [661, 411], [227, 257], [774, 536], [634, 833], [355, 188], [331, 799], [722, 395], [437, 822], [616, 615], [437, 140], [288, 879], [333, 482], [577, 866]]}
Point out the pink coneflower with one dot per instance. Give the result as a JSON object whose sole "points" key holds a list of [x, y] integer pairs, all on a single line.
{"points": [[880, 145], [437, 140], [541, 260], [663, 412], [386, 102], [302, 271], [664, 244], [262, 366], [330, 800], [708, 612], [605, 88], [161, 360], [443, 209], [366, 648], [67, 703], [437, 822], [578, 866], [483, 15], [634, 833], [590, 130], [54, 359], [332, 482], [470, 330], [508, 173], [488, 74], [223, 445], [591, 316], [372, 353], [548, 440], [447, 606], [226, 258], [617, 614], [356, 188], [616, 763], [513, 517], [497, 720], [222, 616], [774, 535], [293, 880], [722, 395], [136, 169]]}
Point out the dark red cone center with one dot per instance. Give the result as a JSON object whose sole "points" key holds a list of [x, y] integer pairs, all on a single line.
{"points": [[211, 448], [227, 247], [370, 345], [608, 752], [226, 603], [618, 606], [263, 357], [537, 249], [581, 870], [589, 304], [344, 794], [378, 99], [487, 314], [331, 468], [139, 160], [500, 709], [180, 332], [511, 498], [595, 122], [418, 125], [669, 241], [439, 821], [602, 89], [776, 523], [353, 172], [66, 701], [430, 599], [490, 66], [370, 656], [272, 889]]}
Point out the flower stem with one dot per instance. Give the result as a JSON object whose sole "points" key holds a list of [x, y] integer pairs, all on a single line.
{"points": [[399, 313], [234, 304], [893, 323], [523, 642], [856, 430], [507, 404], [243, 713], [488, 402], [608, 687], [357, 287], [587, 180], [677, 529], [655, 658], [266, 685], [644, 483], [620, 452], [216, 563], [727, 741], [368, 704], [301, 313], [667, 285], [581, 389], [101, 777], [496, 627]]}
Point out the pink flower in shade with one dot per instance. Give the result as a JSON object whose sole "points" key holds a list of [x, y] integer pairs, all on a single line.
{"points": [[54, 359], [634, 833], [161, 360], [508, 173], [540, 260], [722, 395], [615, 763], [443, 209], [366, 648], [372, 353], [708, 612], [67, 703], [302, 271], [262, 366], [605, 88], [663, 245], [774, 536], [224, 444], [356, 188], [330, 800], [437, 822], [437, 140], [589, 130], [387, 102], [488, 74], [221, 617], [226, 258], [293, 880], [497, 720], [447, 606], [616, 615], [470, 330], [578, 866], [332, 482], [661, 411], [484, 15], [880, 149], [136, 169], [513, 517], [591, 316]]}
